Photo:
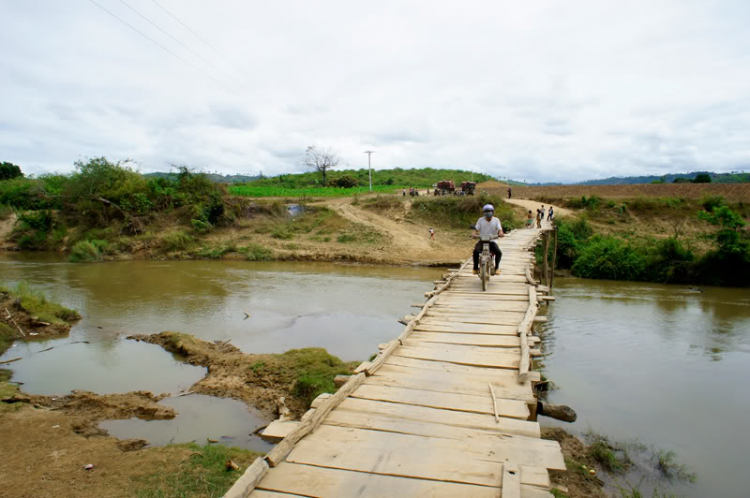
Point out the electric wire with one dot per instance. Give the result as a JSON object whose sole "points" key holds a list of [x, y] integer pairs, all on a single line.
{"points": [[161, 46]]}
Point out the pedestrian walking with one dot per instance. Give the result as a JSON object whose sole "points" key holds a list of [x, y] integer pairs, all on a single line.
{"points": [[432, 234], [510, 192], [549, 214], [539, 218], [404, 193]]}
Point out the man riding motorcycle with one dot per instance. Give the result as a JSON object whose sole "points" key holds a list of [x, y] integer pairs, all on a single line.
{"points": [[488, 225]]}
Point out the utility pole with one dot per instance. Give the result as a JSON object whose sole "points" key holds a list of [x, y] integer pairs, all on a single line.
{"points": [[369, 165]]}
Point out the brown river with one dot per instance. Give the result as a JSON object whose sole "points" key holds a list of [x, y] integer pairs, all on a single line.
{"points": [[662, 364]]}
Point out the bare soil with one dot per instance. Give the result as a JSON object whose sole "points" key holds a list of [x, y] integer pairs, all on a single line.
{"points": [[577, 481]]}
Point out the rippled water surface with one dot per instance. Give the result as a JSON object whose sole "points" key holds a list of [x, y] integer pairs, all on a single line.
{"points": [[665, 364]]}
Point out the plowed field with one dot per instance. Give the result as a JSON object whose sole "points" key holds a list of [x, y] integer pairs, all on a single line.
{"points": [[730, 191]]}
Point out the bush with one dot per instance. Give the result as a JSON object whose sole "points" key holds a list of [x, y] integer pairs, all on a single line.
{"points": [[670, 262], [85, 252], [177, 241], [461, 211], [254, 252], [609, 258], [9, 171], [345, 181]]}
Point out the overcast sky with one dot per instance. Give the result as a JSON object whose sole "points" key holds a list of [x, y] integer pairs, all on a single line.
{"points": [[536, 90]]}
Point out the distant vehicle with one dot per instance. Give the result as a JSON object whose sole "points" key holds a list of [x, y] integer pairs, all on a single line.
{"points": [[467, 188], [445, 187]]}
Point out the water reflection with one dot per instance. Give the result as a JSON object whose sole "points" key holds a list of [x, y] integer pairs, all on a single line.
{"points": [[657, 362]]}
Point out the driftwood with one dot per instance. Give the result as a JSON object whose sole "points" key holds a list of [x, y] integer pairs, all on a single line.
{"points": [[559, 412], [10, 317], [127, 215], [9, 361], [284, 413]]}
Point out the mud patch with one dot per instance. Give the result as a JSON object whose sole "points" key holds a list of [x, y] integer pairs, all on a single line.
{"points": [[577, 481]]}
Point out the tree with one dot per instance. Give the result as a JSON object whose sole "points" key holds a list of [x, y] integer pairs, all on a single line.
{"points": [[8, 171], [320, 160], [702, 178]]}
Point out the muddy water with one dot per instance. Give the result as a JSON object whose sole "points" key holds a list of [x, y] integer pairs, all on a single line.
{"points": [[661, 363], [348, 310], [201, 418]]}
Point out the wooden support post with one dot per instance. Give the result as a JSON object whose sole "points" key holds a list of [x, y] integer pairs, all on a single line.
{"points": [[554, 260], [546, 257]]}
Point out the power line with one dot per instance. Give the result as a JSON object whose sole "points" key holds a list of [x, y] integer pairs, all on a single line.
{"points": [[160, 45], [166, 33], [197, 35], [188, 28]]}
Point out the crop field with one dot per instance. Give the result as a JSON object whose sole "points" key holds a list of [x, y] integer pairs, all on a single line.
{"points": [[247, 191], [731, 191]]}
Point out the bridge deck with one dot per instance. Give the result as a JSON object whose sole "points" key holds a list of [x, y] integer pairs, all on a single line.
{"points": [[423, 424]]}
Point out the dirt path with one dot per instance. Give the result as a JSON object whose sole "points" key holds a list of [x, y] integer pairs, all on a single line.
{"points": [[534, 205]]}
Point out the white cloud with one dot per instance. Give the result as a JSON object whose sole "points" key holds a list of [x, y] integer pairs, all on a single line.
{"points": [[542, 91]]}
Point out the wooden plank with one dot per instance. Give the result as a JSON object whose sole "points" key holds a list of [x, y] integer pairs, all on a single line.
{"points": [[427, 415], [431, 380], [319, 482], [444, 366], [503, 446], [494, 319], [424, 457], [483, 359], [498, 341], [461, 349], [447, 401], [502, 306], [511, 481], [430, 325], [278, 430], [281, 450], [260, 493]]}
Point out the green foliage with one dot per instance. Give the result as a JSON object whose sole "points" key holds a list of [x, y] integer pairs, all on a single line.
{"points": [[36, 304], [346, 181], [384, 202], [702, 178], [584, 202], [201, 226], [204, 473], [177, 241], [571, 239], [314, 369], [423, 178], [273, 191], [8, 171], [255, 252], [85, 251], [609, 258], [670, 262], [344, 238], [461, 211], [667, 464]]}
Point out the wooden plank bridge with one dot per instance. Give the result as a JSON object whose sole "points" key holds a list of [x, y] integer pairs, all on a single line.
{"points": [[445, 410]]}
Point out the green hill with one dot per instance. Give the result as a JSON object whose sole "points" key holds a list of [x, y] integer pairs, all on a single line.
{"points": [[423, 177]]}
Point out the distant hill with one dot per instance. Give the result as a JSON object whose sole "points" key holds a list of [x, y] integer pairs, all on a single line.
{"points": [[214, 177], [668, 178]]}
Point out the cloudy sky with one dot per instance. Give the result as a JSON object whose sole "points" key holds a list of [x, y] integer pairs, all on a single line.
{"points": [[540, 90]]}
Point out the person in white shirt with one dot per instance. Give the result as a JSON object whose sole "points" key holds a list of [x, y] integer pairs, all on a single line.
{"points": [[488, 225]]}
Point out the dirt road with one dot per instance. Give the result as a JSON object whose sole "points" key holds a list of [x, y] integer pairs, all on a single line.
{"points": [[534, 205]]}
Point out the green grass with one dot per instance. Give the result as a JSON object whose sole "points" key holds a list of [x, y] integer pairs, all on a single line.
{"points": [[256, 191], [35, 303], [85, 251], [461, 211], [204, 474], [667, 464], [7, 389], [314, 369], [7, 336], [255, 252], [177, 241]]}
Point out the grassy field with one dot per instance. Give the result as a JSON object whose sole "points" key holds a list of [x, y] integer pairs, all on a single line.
{"points": [[732, 192], [251, 191]]}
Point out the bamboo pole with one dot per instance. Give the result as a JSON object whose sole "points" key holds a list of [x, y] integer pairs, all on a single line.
{"points": [[554, 260], [546, 257]]}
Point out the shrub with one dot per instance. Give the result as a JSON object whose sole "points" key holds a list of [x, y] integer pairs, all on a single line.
{"points": [[461, 211], [84, 252], [670, 262], [8, 171], [201, 226], [710, 202], [609, 258], [345, 238], [254, 252], [177, 241]]}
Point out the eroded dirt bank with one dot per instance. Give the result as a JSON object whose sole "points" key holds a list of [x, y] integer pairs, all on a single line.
{"points": [[257, 379]]}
